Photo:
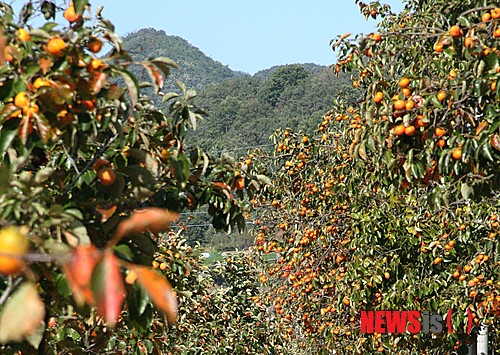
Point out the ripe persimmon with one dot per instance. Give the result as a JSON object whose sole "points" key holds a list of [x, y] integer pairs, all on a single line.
{"points": [[399, 105], [70, 14], [13, 242], [410, 130], [106, 176], [56, 46], [404, 82], [31, 109], [378, 97], [399, 130], [468, 41], [21, 99], [94, 45], [457, 154], [486, 17], [455, 31], [39, 82], [495, 13], [439, 131], [23, 35], [441, 95], [100, 163], [240, 183], [377, 37], [96, 63], [8, 53]]}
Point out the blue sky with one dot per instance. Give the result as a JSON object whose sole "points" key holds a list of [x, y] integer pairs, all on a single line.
{"points": [[246, 35]]}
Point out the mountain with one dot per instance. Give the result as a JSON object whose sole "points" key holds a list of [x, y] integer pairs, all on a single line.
{"points": [[243, 110], [310, 67], [196, 69]]}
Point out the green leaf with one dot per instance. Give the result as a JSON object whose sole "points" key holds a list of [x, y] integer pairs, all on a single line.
{"points": [[264, 180], [493, 61], [192, 119], [164, 64], [181, 85], [479, 87], [62, 285], [26, 12], [9, 132], [486, 151], [43, 175], [464, 21], [73, 334], [190, 94], [48, 9], [169, 96], [466, 191], [435, 101], [124, 252], [181, 169], [79, 6], [132, 85]]}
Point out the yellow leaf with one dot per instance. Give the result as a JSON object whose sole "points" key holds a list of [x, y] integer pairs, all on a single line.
{"points": [[23, 314]]}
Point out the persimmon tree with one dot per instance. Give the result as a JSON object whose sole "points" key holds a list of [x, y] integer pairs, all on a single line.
{"points": [[392, 205], [92, 172]]}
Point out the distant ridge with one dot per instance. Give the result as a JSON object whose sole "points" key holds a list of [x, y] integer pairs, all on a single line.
{"points": [[244, 110], [196, 69]]}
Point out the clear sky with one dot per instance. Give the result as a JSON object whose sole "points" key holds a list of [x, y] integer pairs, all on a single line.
{"points": [[246, 35]]}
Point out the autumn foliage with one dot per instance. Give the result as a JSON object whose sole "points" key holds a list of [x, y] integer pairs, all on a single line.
{"points": [[92, 173], [389, 205], [392, 205]]}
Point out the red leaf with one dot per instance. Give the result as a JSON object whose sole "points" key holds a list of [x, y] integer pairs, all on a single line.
{"points": [[152, 219], [42, 128], [495, 142], [107, 286], [158, 78], [44, 64], [3, 45], [158, 289], [225, 189], [106, 212], [79, 269], [98, 81], [24, 128]]}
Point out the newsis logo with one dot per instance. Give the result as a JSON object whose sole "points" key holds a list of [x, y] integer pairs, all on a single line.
{"points": [[414, 322]]}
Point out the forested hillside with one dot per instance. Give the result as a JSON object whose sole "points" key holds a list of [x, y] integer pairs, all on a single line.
{"points": [[242, 110], [196, 69], [245, 111]]}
